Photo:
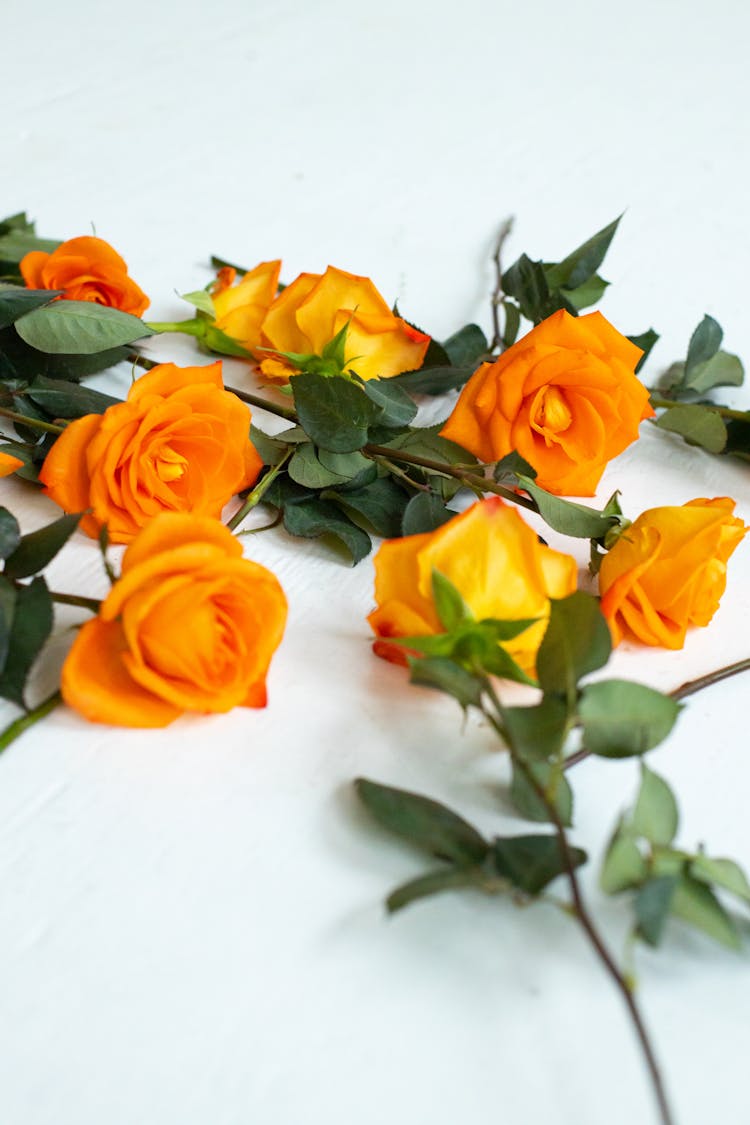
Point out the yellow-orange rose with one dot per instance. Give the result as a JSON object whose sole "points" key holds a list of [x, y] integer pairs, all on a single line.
{"points": [[491, 556], [180, 443], [315, 307], [668, 570], [86, 269], [565, 397], [241, 308], [189, 626]]}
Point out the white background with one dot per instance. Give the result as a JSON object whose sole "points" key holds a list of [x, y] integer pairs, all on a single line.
{"points": [[191, 927]]}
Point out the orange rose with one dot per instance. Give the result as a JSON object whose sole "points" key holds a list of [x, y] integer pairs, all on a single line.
{"points": [[240, 309], [313, 309], [9, 464], [86, 269], [179, 443], [190, 626], [565, 397], [668, 570], [495, 561]]}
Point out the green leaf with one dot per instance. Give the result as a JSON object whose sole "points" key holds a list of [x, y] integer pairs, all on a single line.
{"points": [[306, 469], [450, 607], [645, 342], [433, 380], [528, 802], [698, 425], [269, 449], [512, 467], [467, 346], [7, 609], [425, 823], [704, 343], [538, 732], [15, 302], [531, 862], [10, 533], [622, 719], [576, 520], [653, 904], [721, 370], [724, 873], [584, 261], [587, 294], [311, 518], [655, 815], [445, 879], [335, 412], [38, 548], [62, 399], [512, 323], [444, 674], [202, 300], [16, 244], [696, 904], [577, 641], [527, 282], [381, 503], [396, 408], [356, 469], [79, 328], [624, 866], [424, 512], [31, 625]]}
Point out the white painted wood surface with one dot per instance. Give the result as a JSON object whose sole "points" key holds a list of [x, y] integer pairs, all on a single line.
{"points": [[190, 920]]}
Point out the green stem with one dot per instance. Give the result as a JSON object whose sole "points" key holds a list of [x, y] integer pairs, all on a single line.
{"points": [[192, 327], [76, 599], [33, 423], [16, 728], [258, 492], [581, 911], [273, 408], [723, 411]]}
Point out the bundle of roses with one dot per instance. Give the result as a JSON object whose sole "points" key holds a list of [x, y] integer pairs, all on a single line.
{"points": [[465, 596]]}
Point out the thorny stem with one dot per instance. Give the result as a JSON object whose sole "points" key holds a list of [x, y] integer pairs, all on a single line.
{"points": [[16, 728], [581, 912], [690, 687], [258, 492], [496, 297], [471, 480], [33, 423]]}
